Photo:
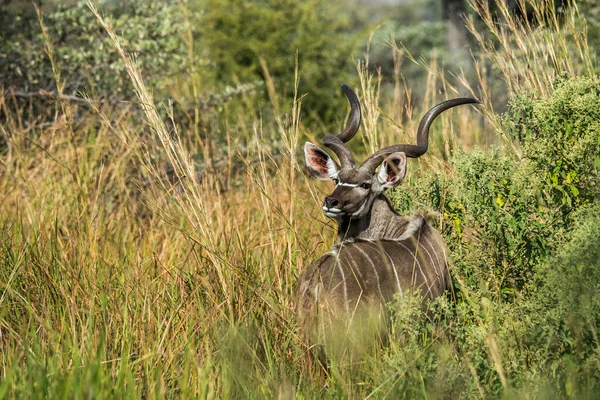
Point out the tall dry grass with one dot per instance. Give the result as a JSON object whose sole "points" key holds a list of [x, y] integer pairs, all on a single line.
{"points": [[121, 280]]}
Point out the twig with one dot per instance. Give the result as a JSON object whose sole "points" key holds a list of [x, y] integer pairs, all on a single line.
{"points": [[43, 94]]}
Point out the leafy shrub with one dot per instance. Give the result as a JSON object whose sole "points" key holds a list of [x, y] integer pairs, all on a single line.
{"points": [[568, 302], [322, 32], [560, 135], [492, 220], [196, 43], [514, 210], [523, 229], [424, 40], [84, 56]]}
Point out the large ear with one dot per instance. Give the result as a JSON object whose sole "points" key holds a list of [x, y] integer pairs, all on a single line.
{"points": [[393, 170], [319, 163]]}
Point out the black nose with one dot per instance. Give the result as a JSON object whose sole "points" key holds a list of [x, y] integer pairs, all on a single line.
{"points": [[331, 202]]}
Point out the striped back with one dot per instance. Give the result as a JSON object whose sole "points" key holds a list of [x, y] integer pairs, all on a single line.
{"points": [[359, 273]]}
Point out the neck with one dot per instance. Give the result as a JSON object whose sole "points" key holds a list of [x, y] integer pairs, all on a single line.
{"points": [[382, 221]]}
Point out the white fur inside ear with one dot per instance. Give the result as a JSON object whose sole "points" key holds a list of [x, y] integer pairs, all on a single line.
{"points": [[382, 176], [392, 177], [319, 163], [332, 170]]}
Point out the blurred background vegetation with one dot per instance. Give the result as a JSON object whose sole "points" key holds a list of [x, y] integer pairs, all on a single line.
{"points": [[155, 214], [211, 52]]}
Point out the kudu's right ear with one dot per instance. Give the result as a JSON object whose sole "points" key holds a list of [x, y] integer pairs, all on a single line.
{"points": [[393, 170], [319, 163]]}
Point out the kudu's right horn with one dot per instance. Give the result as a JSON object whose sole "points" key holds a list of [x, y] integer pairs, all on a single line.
{"points": [[411, 150]]}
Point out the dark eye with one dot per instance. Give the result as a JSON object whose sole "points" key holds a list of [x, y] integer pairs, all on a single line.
{"points": [[336, 181], [366, 186]]}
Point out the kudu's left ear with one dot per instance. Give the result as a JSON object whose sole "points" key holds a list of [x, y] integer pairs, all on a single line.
{"points": [[393, 170], [319, 163]]}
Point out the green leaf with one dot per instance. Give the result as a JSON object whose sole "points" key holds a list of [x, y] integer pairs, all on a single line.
{"points": [[574, 190]]}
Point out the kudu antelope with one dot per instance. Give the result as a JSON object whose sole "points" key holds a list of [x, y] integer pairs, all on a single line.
{"points": [[380, 254]]}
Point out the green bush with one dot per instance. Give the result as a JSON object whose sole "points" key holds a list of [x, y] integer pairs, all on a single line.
{"points": [[83, 54], [568, 303], [322, 33], [194, 43], [523, 229], [560, 136], [515, 205]]}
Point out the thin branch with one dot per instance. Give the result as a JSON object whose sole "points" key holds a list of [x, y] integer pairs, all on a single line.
{"points": [[43, 94]]}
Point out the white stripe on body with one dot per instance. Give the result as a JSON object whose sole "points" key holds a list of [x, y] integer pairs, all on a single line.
{"points": [[395, 273], [393, 265], [419, 264], [374, 270], [442, 263], [357, 268], [339, 264], [431, 258]]}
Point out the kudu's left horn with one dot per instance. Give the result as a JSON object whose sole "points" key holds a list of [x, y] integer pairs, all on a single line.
{"points": [[336, 142], [411, 150]]}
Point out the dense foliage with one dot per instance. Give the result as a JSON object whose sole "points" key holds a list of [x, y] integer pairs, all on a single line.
{"points": [[198, 51], [321, 34], [523, 226], [152, 252], [84, 57]]}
